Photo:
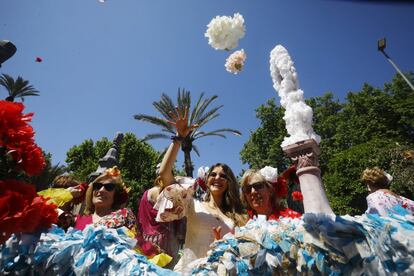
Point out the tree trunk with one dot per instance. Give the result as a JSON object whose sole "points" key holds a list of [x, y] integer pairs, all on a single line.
{"points": [[186, 147]]}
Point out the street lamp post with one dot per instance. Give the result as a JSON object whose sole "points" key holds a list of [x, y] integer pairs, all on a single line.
{"points": [[382, 43], [7, 50]]}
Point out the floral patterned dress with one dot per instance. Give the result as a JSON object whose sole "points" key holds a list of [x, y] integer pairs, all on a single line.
{"points": [[381, 202], [116, 219]]}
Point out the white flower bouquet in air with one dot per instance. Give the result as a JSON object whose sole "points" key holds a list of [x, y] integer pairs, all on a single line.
{"points": [[224, 32], [235, 62]]}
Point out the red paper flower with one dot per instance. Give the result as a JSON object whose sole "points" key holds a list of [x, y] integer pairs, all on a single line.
{"points": [[297, 196], [280, 187], [21, 210], [16, 136], [200, 182]]}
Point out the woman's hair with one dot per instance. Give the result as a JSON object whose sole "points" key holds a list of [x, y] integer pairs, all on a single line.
{"points": [[247, 176], [120, 195], [64, 181], [231, 205], [375, 177]]}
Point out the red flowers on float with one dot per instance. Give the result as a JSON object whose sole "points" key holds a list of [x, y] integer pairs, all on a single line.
{"points": [[21, 209], [16, 139]]}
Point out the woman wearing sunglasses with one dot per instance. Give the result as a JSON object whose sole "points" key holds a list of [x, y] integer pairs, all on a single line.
{"points": [[262, 193], [105, 199], [220, 210]]}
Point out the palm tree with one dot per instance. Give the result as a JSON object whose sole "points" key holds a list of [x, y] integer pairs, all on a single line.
{"points": [[17, 89], [199, 116], [45, 179]]}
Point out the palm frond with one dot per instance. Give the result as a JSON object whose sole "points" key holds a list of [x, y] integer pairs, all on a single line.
{"points": [[155, 136], [195, 109], [210, 134], [217, 132], [210, 115], [203, 105], [153, 120], [183, 99], [165, 106], [195, 149]]}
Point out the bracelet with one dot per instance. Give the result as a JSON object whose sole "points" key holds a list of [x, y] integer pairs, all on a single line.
{"points": [[177, 138]]}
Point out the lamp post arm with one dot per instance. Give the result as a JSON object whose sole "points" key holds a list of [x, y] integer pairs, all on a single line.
{"points": [[397, 69]]}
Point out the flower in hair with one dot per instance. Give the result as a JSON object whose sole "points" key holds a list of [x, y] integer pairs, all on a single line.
{"points": [[269, 173], [114, 171], [388, 176]]}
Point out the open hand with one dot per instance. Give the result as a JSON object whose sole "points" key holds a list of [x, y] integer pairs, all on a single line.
{"points": [[181, 122]]}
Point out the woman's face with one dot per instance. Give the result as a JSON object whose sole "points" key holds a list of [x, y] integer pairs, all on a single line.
{"points": [[217, 181], [103, 194], [258, 195]]}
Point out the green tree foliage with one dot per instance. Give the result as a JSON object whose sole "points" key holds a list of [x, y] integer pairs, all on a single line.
{"points": [[373, 127], [137, 162], [82, 159]]}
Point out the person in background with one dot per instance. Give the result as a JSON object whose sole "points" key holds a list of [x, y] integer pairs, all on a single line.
{"points": [[381, 200], [262, 193], [71, 208], [168, 236]]}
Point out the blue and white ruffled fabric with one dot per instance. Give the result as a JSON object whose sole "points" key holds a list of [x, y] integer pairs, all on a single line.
{"points": [[93, 251], [317, 244]]}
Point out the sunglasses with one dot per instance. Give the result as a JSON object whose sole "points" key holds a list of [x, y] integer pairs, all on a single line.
{"points": [[108, 186], [221, 175], [257, 187]]}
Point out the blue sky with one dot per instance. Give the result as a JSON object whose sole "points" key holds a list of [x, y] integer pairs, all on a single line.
{"points": [[105, 62]]}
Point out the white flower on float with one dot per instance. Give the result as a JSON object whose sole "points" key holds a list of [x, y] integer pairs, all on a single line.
{"points": [[235, 62], [269, 173], [298, 115], [224, 32]]}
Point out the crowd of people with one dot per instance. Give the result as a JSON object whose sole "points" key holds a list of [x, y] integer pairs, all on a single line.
{"points": [[170, 215], [176, 222]]}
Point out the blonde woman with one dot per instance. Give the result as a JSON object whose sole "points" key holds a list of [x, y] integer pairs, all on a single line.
{"points": [[105, 199], [262, 193], [380, 199]]}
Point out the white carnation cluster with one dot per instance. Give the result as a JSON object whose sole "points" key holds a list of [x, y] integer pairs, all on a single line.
{"points": [[224, 32], [235, 62], [269, 173], [202, 172], [298, 115]]}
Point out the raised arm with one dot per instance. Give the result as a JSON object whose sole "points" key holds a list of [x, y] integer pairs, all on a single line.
{"points": [[180, 122]]}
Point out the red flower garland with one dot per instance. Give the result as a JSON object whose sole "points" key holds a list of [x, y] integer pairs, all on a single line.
{"points": [[16, 136], [22, 210]]}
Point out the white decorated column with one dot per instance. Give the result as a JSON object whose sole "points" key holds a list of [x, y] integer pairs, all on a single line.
{"points": [[302, 143]]}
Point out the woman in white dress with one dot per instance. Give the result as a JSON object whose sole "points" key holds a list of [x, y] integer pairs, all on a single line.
{"points": [[218, 213]]}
